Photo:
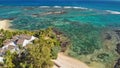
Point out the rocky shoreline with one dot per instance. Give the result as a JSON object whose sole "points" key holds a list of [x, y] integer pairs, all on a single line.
{"points": [[117, 64]]}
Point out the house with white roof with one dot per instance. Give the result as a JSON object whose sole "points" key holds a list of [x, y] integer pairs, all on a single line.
{"points": [[13, 44]]}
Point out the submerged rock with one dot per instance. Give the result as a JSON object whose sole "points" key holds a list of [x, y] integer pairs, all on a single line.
{"points": [[49, 13], [108, 36], [118, 48], [117, 32], [54, 12], [117, 65], [57, 31]]}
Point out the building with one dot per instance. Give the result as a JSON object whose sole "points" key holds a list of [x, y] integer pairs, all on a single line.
{"points": [[14, 43]]}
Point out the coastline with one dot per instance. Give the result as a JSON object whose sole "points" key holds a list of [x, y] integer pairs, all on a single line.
{"points": [[64, 61], [5, 24]]}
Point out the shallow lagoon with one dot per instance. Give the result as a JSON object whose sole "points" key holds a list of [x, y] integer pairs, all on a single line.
{"points": [[32, 18]]}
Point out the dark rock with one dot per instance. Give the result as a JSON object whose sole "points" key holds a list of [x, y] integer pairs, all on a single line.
{"points": [[54, 12], [60, 12], [35, 15], [11, 18], [117, 65], [64, 44], [118, 48], [108, 36], [57, 31], [117, 32]]}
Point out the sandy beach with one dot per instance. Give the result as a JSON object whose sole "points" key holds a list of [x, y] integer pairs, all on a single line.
{"points": [[64, 61], [5, 24]]}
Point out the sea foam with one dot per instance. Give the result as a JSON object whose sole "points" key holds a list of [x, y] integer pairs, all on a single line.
{"points": [[44, 6], [74, 7], [113, 12], [57, 6], [79, 7], [67, 7]]}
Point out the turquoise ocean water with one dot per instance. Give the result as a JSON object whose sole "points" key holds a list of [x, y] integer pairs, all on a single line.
{"points": [[30, 18], [79, 18], [28, 15], [81, 21]]}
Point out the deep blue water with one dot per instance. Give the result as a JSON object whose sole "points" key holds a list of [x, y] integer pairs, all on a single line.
{"points": [[103, 5]]}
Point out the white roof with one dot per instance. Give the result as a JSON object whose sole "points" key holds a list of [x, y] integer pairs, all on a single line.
{"points": [[26, 42], [32, 38], [11, 43], [1, 59]]}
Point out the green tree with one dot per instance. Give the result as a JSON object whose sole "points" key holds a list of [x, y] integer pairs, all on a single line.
{"points": [[36, 55], [8, 60]]}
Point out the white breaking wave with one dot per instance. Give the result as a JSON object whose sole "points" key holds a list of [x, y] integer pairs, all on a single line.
{"points": [[113, 12], [79, 7], [57, 6], [67, 7], [74, 7], [44, 6]]}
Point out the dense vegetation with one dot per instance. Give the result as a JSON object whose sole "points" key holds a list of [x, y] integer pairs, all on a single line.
{"points": [[36, 55]]}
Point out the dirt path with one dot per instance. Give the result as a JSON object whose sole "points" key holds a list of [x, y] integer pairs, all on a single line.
{"points": [[67, 62]]}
